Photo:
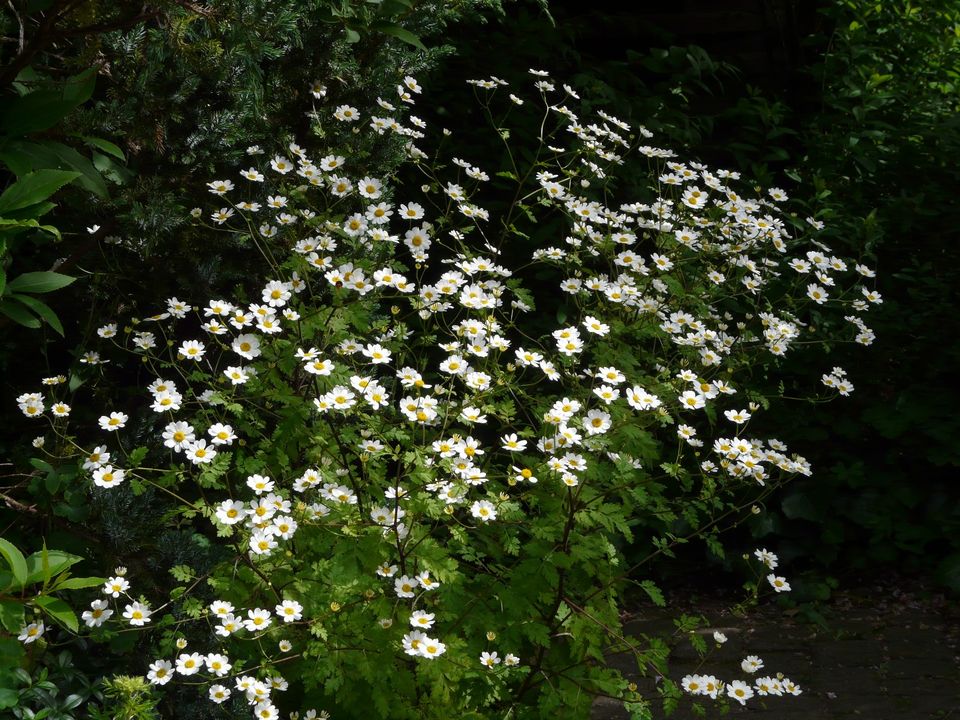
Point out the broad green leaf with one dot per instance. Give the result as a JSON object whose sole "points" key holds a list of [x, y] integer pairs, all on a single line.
{"points": [[111, 169], [90, 178], [22, 156], [42, 109], [41, 464], [72, 701], [39, 282], [11, 615], [25, 155], [3, 281], [11, 650], [57, 562], [34, 187], [10, 224], [15, 559], [78, 583], [390, 8], [52, 483], [18, 314], [41, 309], [58, 610], [79, 88], [70, 512], [399, 33], [106, 146], [13, 227], [31, 212], [34, 112]]}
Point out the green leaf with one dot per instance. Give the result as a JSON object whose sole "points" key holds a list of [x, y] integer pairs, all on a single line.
{"points": [[78, 583], [9, 697], [136, 456], [70, 512], [34, 112], [58, 610], [41, 464], [41, 309], [389, 7], [34, 187], [11, 615], [39, 282], [654, 593], [19, 315], [106, 146], [79, 88], [25, 155], [11, 650], [52, 483], [110, 169], [399, 33], [31, 212], [16, 561], [42, 109], [72, 701], [13, 227], [57, 562], [182, 573]]}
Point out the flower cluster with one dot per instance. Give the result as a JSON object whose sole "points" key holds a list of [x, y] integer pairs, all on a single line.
{"points": [[739, 690]]}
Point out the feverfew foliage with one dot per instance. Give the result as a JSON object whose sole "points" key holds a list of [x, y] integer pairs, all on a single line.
{"points": [[420, 464]]}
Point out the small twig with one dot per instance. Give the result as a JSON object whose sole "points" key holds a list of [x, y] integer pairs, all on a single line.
{"points": [[20, 23], [17, 505]]}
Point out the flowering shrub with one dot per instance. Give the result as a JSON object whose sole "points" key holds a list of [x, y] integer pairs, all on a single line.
{"points": [[421, 466]]}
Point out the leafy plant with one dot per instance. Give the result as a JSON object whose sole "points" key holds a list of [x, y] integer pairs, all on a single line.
{"points": [[420, 487], [29, 587], [42, 167], [54, 690]]}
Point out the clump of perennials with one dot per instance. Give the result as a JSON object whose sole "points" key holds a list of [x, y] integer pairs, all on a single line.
{"points": [[392, 397]]}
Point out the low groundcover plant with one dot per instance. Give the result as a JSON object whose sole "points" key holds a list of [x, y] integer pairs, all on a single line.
{"points": [[425, 444]]}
